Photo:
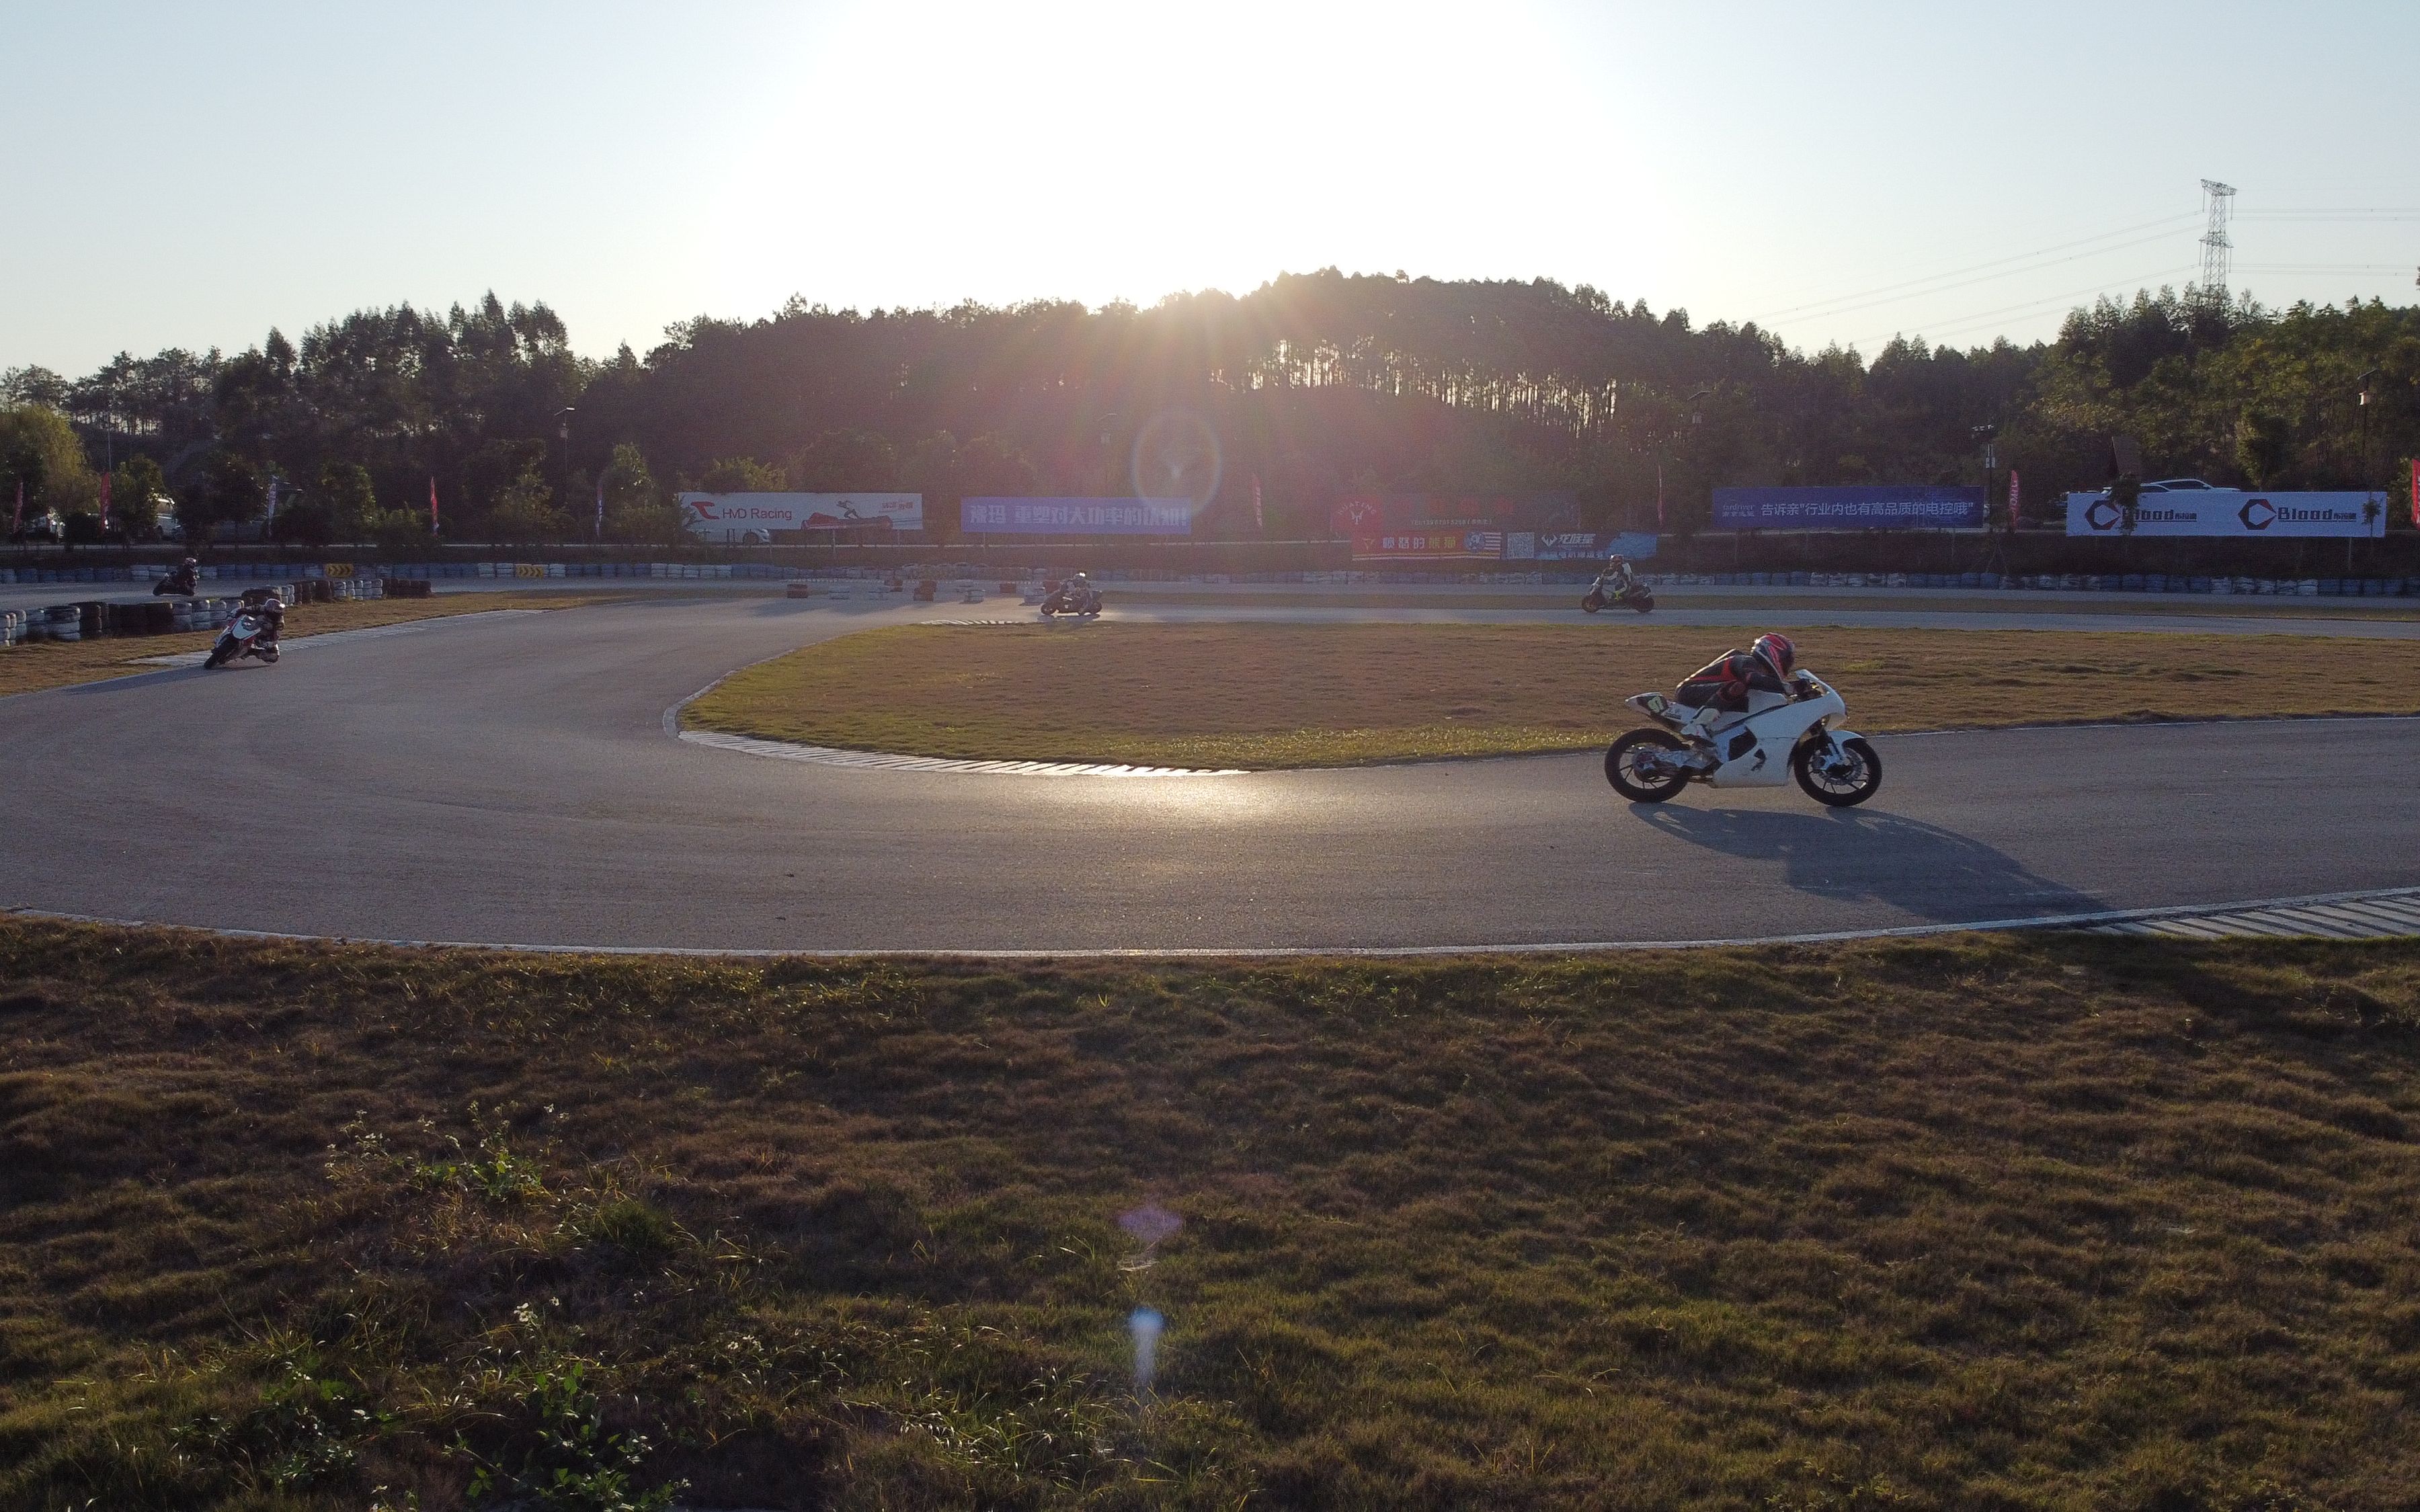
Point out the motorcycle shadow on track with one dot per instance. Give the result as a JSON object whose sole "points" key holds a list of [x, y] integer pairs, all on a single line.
{"points": [[1860, 855], [134, 680]]}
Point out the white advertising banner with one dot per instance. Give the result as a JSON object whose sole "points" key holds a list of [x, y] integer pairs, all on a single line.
{"points": [[729, 517], [2230, 512]]}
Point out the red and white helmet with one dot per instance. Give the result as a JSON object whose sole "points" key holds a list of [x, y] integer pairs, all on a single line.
{"points": [[1776, 653]]}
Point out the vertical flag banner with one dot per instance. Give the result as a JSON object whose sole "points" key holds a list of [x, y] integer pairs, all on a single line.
{"points": [[2016, 500], [2416, 493], [600, 506], [432, 503], [272, 497], [1659, 493], [1261, 524], [104, 499], [20, 525]]}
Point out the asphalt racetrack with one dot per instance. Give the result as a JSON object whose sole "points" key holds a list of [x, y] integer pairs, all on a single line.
{"points": [[508, 780]]}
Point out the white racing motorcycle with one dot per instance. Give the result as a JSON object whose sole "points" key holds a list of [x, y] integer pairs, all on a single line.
{"points": [[243, 637], [1780, 736]]}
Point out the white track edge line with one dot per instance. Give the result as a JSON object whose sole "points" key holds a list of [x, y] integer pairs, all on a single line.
{"points": [[2043, 921]]}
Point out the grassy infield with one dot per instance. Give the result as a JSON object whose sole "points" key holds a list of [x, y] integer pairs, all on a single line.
{"points": [[1318, 695], [1978, 1222]]}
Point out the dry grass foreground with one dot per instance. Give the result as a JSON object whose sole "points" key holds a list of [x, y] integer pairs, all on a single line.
{"points": [[1324, 695], [1969, 1223], [36, 665]]}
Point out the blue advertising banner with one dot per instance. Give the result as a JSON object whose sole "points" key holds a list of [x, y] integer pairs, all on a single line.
{"points": [[1865, 507], [1577, 546], [1075, 517]]}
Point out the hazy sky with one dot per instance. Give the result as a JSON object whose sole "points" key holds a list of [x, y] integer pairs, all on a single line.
{"points": [[191, 174]]}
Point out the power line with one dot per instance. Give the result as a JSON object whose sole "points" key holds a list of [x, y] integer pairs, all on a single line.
{"points": [[1824, 305], [2328, 215], [1984, 317], [1989, 278], [2324, 267]]}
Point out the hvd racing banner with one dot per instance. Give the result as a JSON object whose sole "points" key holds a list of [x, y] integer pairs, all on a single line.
{"points": [[728, 516]]}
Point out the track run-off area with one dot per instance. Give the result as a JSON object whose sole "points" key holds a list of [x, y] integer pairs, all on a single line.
{"points": [[512, 779]]}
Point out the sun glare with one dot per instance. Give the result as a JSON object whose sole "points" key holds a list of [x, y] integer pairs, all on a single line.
{"points": [[1130, 152]]}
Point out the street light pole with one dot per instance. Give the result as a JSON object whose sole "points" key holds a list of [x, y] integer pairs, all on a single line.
{"points": [[563, 428], [2362, 462]]}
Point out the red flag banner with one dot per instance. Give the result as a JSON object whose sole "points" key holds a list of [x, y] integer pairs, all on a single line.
{"points": [[432, 503], [2416, 493]]}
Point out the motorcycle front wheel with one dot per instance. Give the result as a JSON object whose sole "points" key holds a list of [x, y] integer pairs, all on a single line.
{"points": [[1621, 766], [1855, 777], [219, 655], [1591, 601], [1643, 603]]}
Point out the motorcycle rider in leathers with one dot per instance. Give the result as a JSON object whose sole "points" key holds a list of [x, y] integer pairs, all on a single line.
{"points": [[1724, 683]]}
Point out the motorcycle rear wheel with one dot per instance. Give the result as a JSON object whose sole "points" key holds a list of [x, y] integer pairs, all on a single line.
{"points": [[1859, 778], [1591, 601], [1620, 766]]}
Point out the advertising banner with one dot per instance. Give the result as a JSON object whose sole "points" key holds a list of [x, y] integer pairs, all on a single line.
{"points": [[728, 516], [1075, 517], [1360, 514], [2231, 511], [1428, 545], [1577, 546], [1865, 507]]}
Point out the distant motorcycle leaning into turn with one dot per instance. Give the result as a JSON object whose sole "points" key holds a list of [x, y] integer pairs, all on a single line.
{"points": [[1077, 597], [1617, 584], [182, 580], [1747, 719], [251, 631]]}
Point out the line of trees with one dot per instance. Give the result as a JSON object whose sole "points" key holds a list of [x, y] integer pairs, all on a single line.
{"points": [[1314, 385]]}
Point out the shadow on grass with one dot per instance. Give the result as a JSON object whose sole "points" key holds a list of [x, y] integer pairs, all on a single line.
{"points": [[1860, 855]]}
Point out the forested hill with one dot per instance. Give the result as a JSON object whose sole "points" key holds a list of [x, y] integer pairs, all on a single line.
{"points": [[1314, 385]]}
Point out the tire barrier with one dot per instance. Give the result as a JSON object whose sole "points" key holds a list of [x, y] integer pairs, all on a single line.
{"points": [[95, 618], [323, 582]]}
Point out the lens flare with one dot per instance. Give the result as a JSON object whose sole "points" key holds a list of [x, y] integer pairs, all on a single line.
{"points": [[1177, 456], [1151, 1225], [1146, 1326]]}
